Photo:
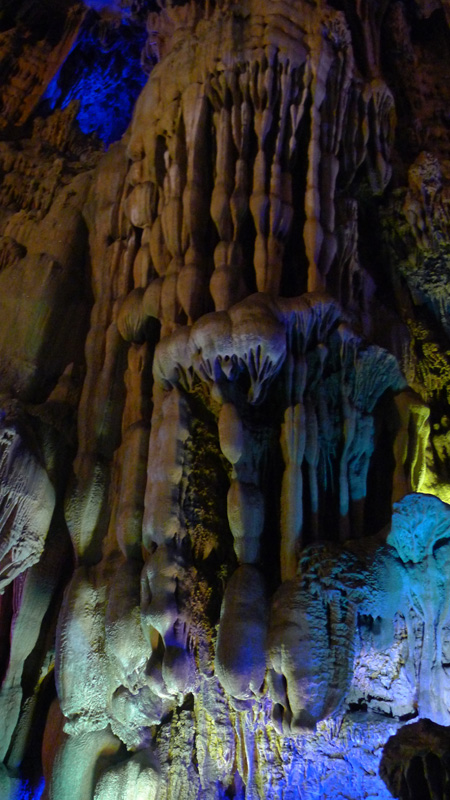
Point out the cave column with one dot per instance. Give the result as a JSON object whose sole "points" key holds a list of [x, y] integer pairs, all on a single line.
{"points": [[245, 501], [293, 445]]}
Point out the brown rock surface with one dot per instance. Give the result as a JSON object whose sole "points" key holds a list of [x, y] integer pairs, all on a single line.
{"points": [[415, 761]]}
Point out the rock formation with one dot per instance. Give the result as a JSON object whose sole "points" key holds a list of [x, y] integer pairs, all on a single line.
{"points": [[224, 391], [415, 761]]}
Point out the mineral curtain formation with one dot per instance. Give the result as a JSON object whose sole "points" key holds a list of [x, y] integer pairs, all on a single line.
{"points": [[224, 391]]}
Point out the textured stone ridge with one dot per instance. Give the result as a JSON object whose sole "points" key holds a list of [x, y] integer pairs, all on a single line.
{"points": [[224, 388], [253, 146]]}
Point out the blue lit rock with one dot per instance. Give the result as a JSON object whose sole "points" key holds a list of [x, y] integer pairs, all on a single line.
{"points": [[102, 73]]}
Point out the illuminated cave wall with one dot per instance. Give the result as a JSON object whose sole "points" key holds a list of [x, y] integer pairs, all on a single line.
{"points": [[224, 391], [104, 74]]}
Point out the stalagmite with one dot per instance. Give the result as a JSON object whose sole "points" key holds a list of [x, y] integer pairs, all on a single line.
{"points": [[309, 666], [164, 578], [243, 620]]}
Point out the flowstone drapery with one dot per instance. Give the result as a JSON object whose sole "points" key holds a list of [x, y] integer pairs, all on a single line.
{"points": [[224, 399]]}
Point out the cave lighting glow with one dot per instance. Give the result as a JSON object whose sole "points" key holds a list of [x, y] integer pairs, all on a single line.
{"points": [[25, 792], [105, 78]]}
